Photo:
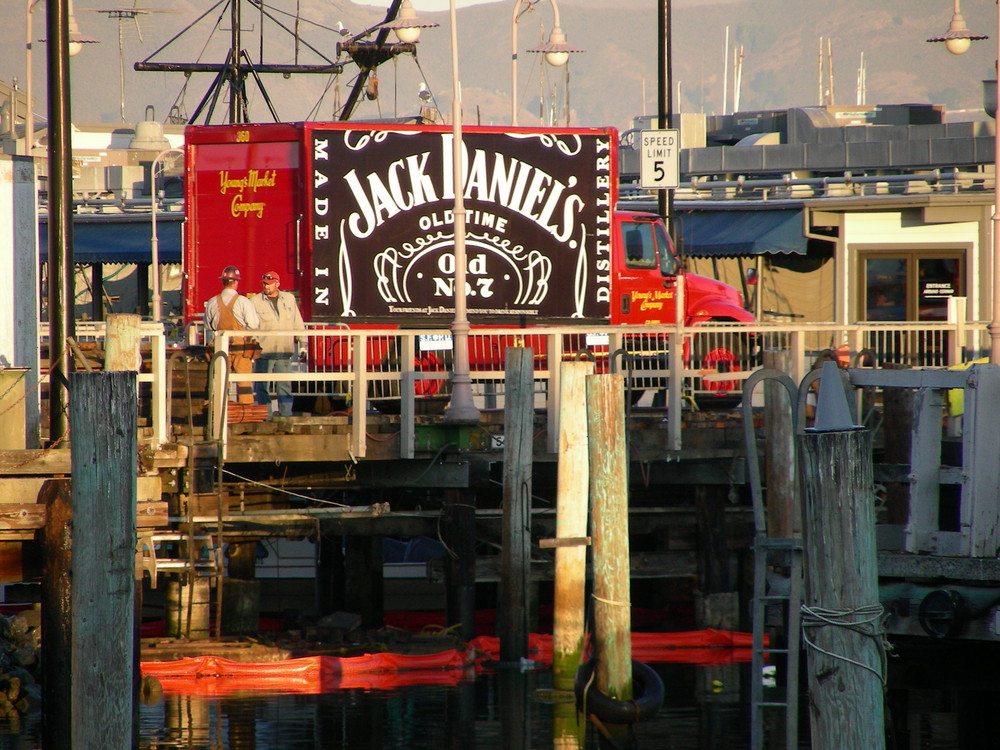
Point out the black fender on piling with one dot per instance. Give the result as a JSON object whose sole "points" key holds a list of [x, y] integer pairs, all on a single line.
{"points": [[647, 688]]}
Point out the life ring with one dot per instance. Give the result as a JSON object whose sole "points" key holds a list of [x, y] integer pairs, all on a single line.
{"points": [[720, 360], [428, 361], [647, 688]]}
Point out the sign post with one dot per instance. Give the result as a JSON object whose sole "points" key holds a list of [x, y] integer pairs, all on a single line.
{"points": [[659, 162]]}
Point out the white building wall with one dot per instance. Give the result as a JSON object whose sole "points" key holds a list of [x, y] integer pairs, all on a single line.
{"points": [[19, 280]]}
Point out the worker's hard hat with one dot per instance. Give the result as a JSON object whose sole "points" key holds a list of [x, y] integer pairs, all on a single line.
{"points": [[230, 273]]}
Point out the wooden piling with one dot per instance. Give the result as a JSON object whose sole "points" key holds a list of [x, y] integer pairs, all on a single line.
{"points": [[459, 532], [716, 602], [56, 617], [609, 529], [842, 622], [241, 606], [572, 510], [103, 419], [515, 555], [122, 350], [188, 608], [363, 579], [123, 353]]}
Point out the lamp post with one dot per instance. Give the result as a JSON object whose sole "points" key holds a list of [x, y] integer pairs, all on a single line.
{"points": [[29, 117], [957, 40], [155, 244], [76, 42], [462, 408], [556, 51]]}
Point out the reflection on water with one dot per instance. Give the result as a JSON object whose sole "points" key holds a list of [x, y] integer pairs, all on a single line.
{"points": [[505, 710], [941, 696]]}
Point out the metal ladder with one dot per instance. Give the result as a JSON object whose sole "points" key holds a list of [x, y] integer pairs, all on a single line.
{"points": [[772, 592]]}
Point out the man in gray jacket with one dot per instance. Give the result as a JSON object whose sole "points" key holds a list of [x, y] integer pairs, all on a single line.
{"points": [[277, 310]]}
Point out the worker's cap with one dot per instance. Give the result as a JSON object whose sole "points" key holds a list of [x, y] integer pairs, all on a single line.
{"points": [[230, 273], [270, 276]]}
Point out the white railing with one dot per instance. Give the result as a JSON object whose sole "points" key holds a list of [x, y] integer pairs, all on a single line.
{"points": [[401, 368]]}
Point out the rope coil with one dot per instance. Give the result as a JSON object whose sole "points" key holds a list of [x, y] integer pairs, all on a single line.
{"points": [[866, 620]]}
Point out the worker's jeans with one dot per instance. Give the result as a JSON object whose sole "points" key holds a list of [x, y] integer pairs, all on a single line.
{"points": [[274, 363]]}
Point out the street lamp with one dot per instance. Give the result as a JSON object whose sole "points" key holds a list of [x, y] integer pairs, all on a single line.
{"points": [[76, 42], [155, 246], [406, 25], [556, 51], [957, 40]]}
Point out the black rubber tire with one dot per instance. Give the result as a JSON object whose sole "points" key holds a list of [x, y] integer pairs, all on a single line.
{"points": [[647, 688]]}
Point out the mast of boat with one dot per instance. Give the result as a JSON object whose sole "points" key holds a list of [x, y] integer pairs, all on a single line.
{"points": [[237, 67]]}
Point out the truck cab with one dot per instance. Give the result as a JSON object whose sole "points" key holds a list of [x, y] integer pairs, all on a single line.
{"points": [[648, 277]]}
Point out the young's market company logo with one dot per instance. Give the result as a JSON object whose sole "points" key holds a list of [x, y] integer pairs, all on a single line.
{"points": [[239, 184]]}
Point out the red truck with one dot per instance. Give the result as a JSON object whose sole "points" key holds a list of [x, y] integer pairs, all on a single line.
{"points": [[357, 218]]}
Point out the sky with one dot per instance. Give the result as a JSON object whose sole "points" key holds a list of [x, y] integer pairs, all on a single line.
{"points": [[429, 5]]}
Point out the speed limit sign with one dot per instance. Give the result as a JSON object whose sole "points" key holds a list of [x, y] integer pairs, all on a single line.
{"points": [[659, 160]]}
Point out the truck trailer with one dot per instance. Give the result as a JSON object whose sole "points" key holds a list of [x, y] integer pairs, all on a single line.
{"points": [[358, 220]]}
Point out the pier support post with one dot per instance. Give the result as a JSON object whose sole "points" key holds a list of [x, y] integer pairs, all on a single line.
{"points": [[609, 495], [459, 531], [330, 587], [572, 511], [842, 622], [103, 418], [716, 602], [363, 582], [188, 609], [56, 622], [121, 344], [515, 580], [123, 353], [241, 594]]}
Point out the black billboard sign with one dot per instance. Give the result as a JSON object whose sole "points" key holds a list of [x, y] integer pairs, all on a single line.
{"points": [[538, 222]]}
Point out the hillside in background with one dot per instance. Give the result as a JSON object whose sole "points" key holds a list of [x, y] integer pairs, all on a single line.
{"points": [[608, 84]]}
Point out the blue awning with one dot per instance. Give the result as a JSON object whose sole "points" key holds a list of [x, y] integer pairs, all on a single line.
{"points": [[119, 238], [707, 234]]}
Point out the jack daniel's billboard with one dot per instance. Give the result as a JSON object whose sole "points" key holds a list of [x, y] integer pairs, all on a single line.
{"points": [[538, 222]]}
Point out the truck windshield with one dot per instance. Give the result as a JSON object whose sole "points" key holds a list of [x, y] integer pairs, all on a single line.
{"points": [[668, 261]]}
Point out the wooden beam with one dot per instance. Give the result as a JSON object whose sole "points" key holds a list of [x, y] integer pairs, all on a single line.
{"points": [[22, 516], [35, 462]]}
